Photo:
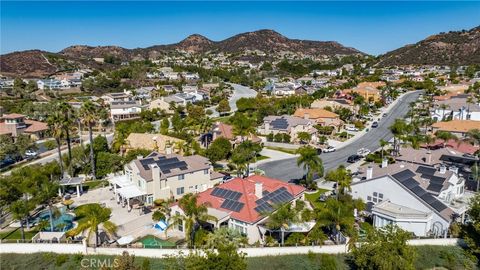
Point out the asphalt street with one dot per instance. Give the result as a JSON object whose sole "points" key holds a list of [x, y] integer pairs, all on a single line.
{"points": [[287, 169], [239, 91]]}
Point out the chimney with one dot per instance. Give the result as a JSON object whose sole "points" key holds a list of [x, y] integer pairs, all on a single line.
{"points": [[139, 157], [453, 169], [258, 190], [155, 174], [369, 172], [429, 157], [443, 169], [306, 116], [384, 163]]}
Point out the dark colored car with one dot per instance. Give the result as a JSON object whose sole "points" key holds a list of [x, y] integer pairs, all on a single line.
{"points": [[374, 124], [354, 158]]}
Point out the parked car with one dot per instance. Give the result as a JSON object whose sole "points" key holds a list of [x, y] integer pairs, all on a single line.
{"points": [[384, 115], [6, 162], [363, 152], [351, 128], [31, 153], [375, 124], [354, 158], [329, 149]]}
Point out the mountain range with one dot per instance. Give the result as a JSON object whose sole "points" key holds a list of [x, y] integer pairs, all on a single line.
{"points": [[452, 48]]}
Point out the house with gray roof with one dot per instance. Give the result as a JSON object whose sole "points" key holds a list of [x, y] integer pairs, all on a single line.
{"points": [[287, 124], [160, 176], [419, 198]]}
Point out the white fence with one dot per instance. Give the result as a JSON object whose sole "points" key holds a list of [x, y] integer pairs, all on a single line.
{"points": [[158, 253]]}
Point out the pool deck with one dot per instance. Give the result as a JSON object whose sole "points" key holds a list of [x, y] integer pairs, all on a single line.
{"points": [[129, 223]]}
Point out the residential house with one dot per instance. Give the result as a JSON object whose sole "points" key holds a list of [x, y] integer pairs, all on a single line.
{"points": [[117, 97], [368, 90], [241, 204], [287, 124], [457, 108], [15, 124], [456, 127], [162, 144], [320, 116], [418, 198], [160, 176], [178, 99], [50, 84], [222, 130], [124, 110]]}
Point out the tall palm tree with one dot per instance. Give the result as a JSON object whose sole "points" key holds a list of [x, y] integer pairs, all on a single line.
{"points": [[282, 218], [311, 162], [47, 195], [90, 218], [89, 115], [383, 143], [194, 213], [20, 210], [55, 123], [399, 129], [67, 123]]}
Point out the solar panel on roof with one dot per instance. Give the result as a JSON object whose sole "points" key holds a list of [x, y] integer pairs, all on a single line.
{"points": [[438, 205], [426, 170], [232, 205], [410, 183], [403, 175], [226, 194], [419, 191], [435, 179], [428, 198], [263, 208], [435, 187]]}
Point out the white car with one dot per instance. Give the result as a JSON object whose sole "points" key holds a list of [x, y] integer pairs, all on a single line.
{"points": [[31, 153], [363, 152], [329, 149], [350, 128]]}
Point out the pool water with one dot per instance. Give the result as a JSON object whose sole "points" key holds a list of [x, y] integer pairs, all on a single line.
{"points": [[61, 223], [151, 241]]}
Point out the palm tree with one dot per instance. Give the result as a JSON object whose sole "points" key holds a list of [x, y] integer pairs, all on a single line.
{"points": [[282, 218], [89, 116], [445, 136], [242, 125], [55, 123], [383, 143], [47, 195], [90, 218], [194, 214], [443, 107], [20, 210], [67, 123], [342, 177], [311, 162], [399, 129]]}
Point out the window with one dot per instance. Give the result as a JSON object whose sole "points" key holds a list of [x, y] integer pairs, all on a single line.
{"points": [[181, 177], [369, 198], [375, 194], [180, 223], [380, 195], [205, 171], [180, 190]]}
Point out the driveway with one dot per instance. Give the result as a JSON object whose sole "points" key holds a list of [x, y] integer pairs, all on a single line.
{"points": [[287, 169], [239, 91]]}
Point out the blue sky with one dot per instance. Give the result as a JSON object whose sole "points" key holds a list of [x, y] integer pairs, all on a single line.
{"points": [[372, 27]]}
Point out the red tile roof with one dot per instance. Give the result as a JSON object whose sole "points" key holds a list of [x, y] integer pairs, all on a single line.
{"points": [[247, 188], [35, 126], [13, 116]]}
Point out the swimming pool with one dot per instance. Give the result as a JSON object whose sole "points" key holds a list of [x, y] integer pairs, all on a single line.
{"points": [[61, 223], [151, 241]]}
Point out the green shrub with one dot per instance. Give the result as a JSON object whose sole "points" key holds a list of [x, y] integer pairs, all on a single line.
{"points": [[60, 259]]}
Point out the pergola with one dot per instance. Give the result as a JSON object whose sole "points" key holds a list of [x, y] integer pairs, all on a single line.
{"points": [[130, 192], [71, 181]]}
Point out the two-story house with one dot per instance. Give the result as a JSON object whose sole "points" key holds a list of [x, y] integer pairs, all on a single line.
{"points": [[160, 176]]}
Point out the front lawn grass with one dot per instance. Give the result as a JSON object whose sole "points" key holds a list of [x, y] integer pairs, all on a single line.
{"points": [[313, 197], [281, 149]]}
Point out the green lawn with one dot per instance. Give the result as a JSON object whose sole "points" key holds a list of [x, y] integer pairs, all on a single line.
{"points": [[260, 157], [16, 234], [281, 149], [223, 119], [313, 197]]}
